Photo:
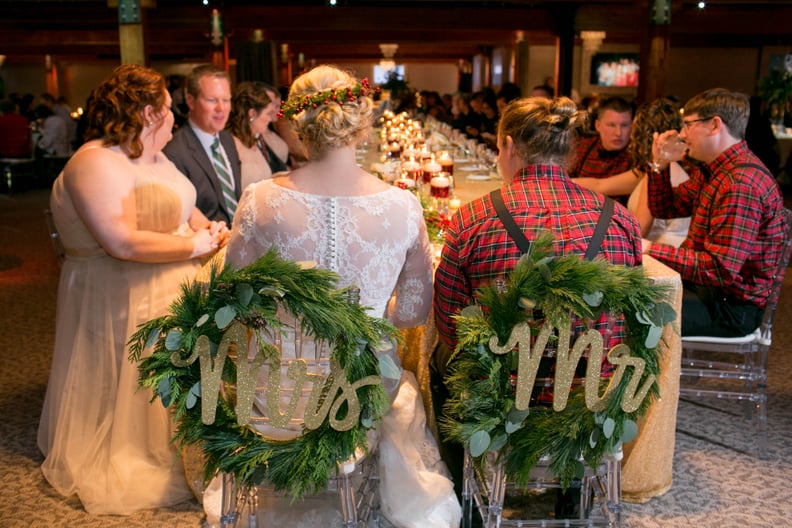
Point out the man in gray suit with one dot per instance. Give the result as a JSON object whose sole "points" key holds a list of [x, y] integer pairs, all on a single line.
{"points": [[202, 150]]}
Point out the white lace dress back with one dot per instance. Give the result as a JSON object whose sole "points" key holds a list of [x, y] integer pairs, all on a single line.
{"points": [[376, 242]]}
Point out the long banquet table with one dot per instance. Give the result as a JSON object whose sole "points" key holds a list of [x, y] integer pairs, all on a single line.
{"points": [[647, 463]]}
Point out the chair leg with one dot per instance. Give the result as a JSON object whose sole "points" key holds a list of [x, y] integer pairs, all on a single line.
{"points": [[235, 498], [467, 492], [613, 475], [253, 506], [346, 494], [496, 497], [761, 418]]}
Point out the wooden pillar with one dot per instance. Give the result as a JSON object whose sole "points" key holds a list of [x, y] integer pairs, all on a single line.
{"points": [[51, 76], [655, 45], [565, 48], [130, 29], [523, 65]]}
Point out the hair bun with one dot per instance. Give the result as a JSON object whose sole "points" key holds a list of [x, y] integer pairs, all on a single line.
{"points": [[564, 113]]}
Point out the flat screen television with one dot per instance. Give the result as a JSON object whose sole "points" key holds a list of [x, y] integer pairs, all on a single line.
{"points": [[381, 75], [614, 70]]}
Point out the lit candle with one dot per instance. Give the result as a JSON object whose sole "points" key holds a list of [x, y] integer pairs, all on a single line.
{"points": [[411, 168], [440, 186], [446, 162], [454, 203], [430, 169]]}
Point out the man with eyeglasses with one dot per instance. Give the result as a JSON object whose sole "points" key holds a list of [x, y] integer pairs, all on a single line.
{"points": [[605, 153], [735, 237], [202, 150]]}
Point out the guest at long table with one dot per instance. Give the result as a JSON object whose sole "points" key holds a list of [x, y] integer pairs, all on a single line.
{"points": [[132, 233], [373, 235], [605, 154], [250, 116], [534, 138], [732, 248]]}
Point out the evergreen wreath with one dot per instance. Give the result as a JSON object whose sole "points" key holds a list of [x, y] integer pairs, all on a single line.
{"points": [[481, 412], [251, 296]]}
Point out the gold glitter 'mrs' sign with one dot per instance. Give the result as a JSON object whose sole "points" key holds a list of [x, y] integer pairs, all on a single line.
{"points": [[235, 343], [566, 363]]}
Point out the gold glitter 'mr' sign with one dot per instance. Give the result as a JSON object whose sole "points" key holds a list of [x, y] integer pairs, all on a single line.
{"points": [[566, 363], [235, 342]]}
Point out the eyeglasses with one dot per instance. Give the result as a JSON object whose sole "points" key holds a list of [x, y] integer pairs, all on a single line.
{"points": [[687, 124]]}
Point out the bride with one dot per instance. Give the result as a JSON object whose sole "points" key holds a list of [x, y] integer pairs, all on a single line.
{"points": [[373, 235]]}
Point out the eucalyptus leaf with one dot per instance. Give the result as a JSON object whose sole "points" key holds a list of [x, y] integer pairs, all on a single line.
{"points": [[153, 336], [629, 431], [164, 388], [608, 426], [271, 291], [544, 269], [524, 259], [643, 317], [599, 418], [498, 442], [224, 316], [593, 299], [653, 336], [515, 415], [512, 426], [383, 345], [193, 395], [595, 434], [663, 314], [173, 340], [479, 442], [366, 422], [244, 293], [202, 320], [472, 311], [388, 368]]}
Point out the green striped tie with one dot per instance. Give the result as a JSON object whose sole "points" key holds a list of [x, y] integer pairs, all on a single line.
{"points": [[226, 182]]}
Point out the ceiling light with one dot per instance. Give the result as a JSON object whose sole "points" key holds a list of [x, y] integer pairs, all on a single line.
{"points": [[702, 4]]}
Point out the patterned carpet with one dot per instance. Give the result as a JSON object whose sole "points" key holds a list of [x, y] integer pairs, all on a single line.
{"points": [[716, 484]]}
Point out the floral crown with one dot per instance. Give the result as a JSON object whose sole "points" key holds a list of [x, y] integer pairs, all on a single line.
{"points": [[351, 94]]}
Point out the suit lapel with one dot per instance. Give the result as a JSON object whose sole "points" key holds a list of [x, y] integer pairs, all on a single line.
{"points": [[200, 156]]}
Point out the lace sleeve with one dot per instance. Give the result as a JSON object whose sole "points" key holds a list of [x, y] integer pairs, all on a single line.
{"points": [[412, 298]]}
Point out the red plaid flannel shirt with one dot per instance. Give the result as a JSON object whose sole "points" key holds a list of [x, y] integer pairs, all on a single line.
{"points": [[478, 249], [736, 230], [593, 161]]}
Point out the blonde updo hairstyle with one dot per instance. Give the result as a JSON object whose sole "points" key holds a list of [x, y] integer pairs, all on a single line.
{"points": [[329, 126], [542, 129]]}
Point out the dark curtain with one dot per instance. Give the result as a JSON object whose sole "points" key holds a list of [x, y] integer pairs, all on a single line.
{"points": [[255, 62]]}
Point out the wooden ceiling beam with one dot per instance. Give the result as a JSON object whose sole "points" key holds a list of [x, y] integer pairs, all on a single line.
{"points": [[440, 30]]}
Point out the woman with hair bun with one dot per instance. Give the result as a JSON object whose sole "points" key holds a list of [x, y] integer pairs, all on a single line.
{"points": [[534, 140], [373, 235], [132, 235]]}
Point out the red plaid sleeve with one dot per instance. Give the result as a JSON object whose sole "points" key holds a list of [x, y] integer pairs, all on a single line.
{"points": [[736, 230]]}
